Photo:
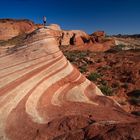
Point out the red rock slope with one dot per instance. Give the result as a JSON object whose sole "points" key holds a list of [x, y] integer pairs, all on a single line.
{"points": [[10, 28], [43, 97]]}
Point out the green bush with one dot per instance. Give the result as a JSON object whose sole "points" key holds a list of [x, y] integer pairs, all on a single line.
{"points": [[70, 56], [75, 55], [94, 76], [83, 68], [106, 90]]}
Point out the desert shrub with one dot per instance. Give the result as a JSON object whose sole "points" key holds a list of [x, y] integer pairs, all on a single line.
{"points": [[106, 90], [71, 56], [75, 55], [94, 76], [83, 68], [82, 54]]}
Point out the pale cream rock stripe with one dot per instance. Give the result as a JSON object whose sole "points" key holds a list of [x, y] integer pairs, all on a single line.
{"points": [[24, 65], [57, 95], [31, 104], [6, 60], [8, 79], [76, 94], [4, 97], [98, 91], [17, 94], [55, 99]]}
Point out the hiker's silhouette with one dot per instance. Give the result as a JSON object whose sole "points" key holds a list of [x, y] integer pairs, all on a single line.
{"points": [[44, 21]]}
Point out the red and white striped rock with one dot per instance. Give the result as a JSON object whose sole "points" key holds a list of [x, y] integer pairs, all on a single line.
{"points": [[42, 96]]}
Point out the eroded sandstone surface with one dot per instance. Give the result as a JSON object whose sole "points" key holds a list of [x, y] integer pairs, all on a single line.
{"points": [[44, 97], [75, 39], [10, 28]]}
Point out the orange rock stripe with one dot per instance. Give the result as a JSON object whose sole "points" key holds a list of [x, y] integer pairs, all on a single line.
{"points": [[17, 82], [33, 98], [26, 67]]}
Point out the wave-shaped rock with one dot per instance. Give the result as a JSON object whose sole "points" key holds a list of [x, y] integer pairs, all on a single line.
{"points": [[44, 97]]}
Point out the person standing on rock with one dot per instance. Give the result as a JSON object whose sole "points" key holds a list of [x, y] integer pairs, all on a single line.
{"points": [[44, 21]]}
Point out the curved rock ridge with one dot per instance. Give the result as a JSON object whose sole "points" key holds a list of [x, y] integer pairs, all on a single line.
{"points": [[54, 27], [43, 97]]}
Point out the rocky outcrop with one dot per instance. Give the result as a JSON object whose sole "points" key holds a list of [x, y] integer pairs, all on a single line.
{"points": [[10, 28], [74, 37], [128, 43], [97, 41], [43, 96], [99, 36], [54, 27], [82, 41]]}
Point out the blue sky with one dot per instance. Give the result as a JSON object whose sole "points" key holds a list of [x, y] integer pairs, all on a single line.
{"points": [[112, 16]]}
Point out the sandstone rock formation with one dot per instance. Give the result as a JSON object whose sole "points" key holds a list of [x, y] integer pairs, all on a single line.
{"points": [[98, 36], [74, 37], [54, 27], [97, 41], [10, 28], [82, 41], [43, 97], [128, 43]]}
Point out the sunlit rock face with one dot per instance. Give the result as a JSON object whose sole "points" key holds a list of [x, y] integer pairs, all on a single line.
{"points": [[54, 27], [44, 97], [10, 28], [74, 37], [79, 40]]}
